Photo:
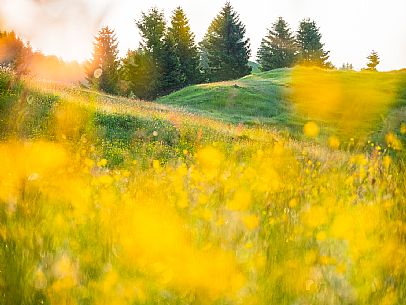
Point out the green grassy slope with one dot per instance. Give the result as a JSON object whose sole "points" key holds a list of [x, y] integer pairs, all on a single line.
{"points": [[288, 98], [259, 100], [121, 129], [254, 98]]}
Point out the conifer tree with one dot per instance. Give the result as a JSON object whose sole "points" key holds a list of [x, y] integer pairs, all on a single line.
{"points": [[102, 72], [347, 67], [309, 44], [184, 47], [173, 76], [152, 28], [173, 52], [373, 61], [225, 48], [278, 48]]}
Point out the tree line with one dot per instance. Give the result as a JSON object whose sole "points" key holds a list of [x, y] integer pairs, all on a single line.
{"points": [[168, 57]]}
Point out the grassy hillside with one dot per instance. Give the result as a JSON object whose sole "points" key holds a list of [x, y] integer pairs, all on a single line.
{"points": [[341, 102], [108, 200], [255, 98]]}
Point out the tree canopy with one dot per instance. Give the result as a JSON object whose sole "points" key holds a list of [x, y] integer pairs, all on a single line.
{"points": [[278, 47], [102, 71], [373, 61], [310, 47], [225, 49], [184, 47]]}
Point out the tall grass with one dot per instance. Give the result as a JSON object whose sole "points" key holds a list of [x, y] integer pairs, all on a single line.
{"points": [[119, 204]]}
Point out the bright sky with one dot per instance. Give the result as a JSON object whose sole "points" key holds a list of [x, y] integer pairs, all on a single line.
{"points": [[350, 28]]}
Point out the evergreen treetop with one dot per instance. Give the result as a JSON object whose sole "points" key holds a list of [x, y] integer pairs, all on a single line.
{"points": [[184, 47], [373, 61], [225, 47], [102, 71], [310, 47], [152, 28], [278, 48]]}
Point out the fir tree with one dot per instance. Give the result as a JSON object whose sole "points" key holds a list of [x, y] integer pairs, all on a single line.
{"points": [[184, 47], [173, 51], [373, 61], [173, 76], [309, 44], [152, 28], [102, 72], [278, 48], [225, 47]]}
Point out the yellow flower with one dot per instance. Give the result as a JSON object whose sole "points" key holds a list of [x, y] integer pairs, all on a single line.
{"points": [[387, 161], [251, 222], [393, 141], [89, 162], [240, 202], [293, 203], [334, 142], [315, 217], [321, 236], [105, 179], [311, 130], [210, 157], [102, 163], [156, 164]]}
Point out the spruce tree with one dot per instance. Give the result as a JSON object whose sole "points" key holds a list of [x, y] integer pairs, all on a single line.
{"points": [[309, 44], [184, 47], [278, 48], [373, 61], [152, 29], [225, 47], [173, 76], [102, 72]]}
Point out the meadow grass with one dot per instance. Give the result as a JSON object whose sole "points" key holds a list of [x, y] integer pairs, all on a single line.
{"points": [[347, 103], [106, 200]]}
